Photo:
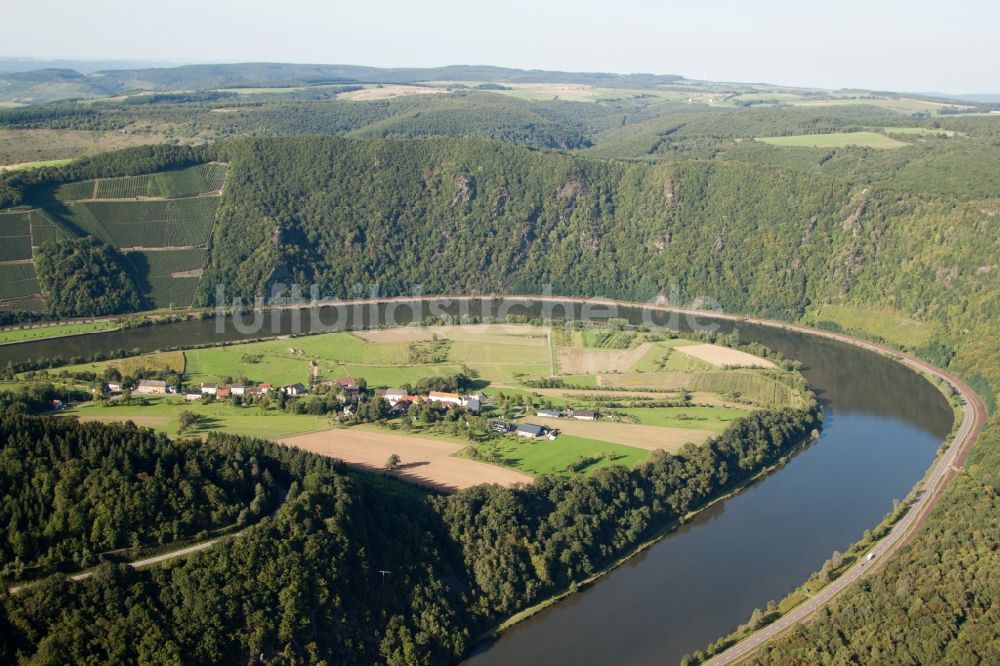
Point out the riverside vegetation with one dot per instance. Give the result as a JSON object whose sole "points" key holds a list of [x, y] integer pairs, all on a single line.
{"points": [[677, 200]]}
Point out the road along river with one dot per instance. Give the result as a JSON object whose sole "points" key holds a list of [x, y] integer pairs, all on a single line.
{"points": [[884, 424]]}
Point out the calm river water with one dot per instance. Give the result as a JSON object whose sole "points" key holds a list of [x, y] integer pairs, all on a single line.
{"points": [[883, 426]]}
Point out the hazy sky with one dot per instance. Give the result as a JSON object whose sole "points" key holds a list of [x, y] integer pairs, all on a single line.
{"points": [[913, 45]]}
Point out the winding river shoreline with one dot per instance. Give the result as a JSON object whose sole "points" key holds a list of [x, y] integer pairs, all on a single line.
{"points": [[863, 419]]}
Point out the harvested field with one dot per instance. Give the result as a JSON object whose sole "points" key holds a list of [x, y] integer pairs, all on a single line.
{"points": [[645, 437], [724, 356], [386, 92], [425, 461], [576, 361]]}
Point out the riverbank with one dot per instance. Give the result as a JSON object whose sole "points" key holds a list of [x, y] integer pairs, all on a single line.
{"points": [[661, 534]]}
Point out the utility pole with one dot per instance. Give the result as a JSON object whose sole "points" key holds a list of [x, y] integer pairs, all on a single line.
{"points": [[384, 574]]}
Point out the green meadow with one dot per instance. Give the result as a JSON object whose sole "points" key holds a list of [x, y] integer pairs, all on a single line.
{"points": [[835, 140]]}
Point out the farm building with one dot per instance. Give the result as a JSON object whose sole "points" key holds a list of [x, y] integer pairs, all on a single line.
{"points": [[209, 389], [192, 396], [531, 431], [265, 388], [502, 427], [113, 387], [473, 405], [586, 416], [447, 398], [295, 389], [238, 389], [348, 384], [392, 396], [222, 392], [550, 413], [151, 387]]}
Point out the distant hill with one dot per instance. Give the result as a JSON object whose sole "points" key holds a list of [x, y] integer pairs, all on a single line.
{"points": [[49, 83]]}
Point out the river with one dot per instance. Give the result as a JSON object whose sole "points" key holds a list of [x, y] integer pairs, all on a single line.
{"points": [[883, 426]]}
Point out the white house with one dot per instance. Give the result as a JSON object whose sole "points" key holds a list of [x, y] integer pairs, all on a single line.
{"points": [[446, 398], [586, 416], [294, 389], [151, 387], [549, 413], [392, 396], [238, 389], [209, 389]]}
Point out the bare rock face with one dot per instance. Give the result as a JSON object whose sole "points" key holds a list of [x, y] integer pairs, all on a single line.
{"points": [[860, 201], [663, 242], [720, 241], [465, 190], [571, 188], [669, 188], [500, 201]]}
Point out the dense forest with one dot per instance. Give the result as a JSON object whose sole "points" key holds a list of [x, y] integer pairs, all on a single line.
{"points": [[84, 277], [74, 490], [305, 583], [659, 199]]}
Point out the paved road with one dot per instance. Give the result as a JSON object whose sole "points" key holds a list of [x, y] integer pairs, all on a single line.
{"points": [[944, 469], [931, 490]]}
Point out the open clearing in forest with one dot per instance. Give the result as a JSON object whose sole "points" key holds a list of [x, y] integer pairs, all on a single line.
{"points": [[725, 356], [429, 462], [646, 437], [835, 140], [389, 91]]}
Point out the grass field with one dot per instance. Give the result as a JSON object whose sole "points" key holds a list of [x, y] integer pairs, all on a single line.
{"points": [[555, 456], [39, 331], [262, 362], [707, 418], [18, 146], [163, 415], [499, 357], [921, 131], [890, 325], [835, 140], [172, 360], [40, 164]]}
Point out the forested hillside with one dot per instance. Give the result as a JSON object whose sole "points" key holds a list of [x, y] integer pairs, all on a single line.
{"points": [[307, 583], [73, 491], [680, 203]]}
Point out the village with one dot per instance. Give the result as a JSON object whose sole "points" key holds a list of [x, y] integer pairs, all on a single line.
{"points": [[354, 392]]}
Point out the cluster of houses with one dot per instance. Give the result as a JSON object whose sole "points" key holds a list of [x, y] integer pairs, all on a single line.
{"points": [[230, 390], [577, 414], [160, 387], [535, 431], [399, 399]]}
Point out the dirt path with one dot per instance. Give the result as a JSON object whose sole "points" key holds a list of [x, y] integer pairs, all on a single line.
{"points": [[138, 564]]}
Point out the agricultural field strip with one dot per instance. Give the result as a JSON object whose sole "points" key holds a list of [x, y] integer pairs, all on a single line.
{"points": [[428, 462]]}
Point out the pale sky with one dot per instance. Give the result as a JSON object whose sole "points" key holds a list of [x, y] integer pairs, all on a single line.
{"points": [[905, 45]]}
